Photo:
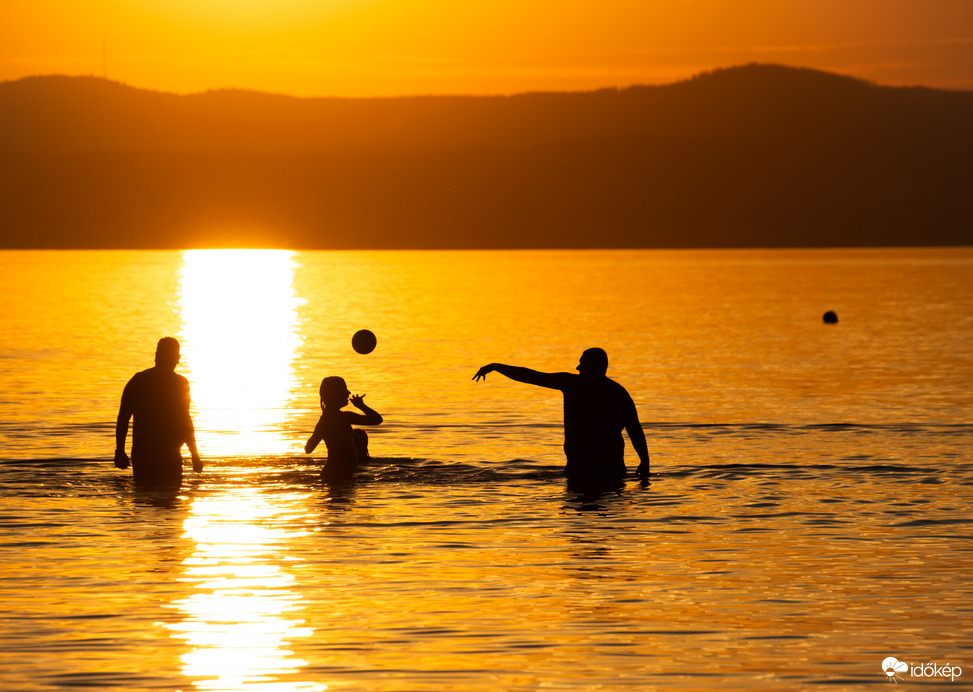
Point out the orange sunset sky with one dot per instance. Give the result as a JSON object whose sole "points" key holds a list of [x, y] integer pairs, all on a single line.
{"points": [[403, 47]]}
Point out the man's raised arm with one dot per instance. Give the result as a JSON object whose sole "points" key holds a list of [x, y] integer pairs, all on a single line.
{"points": [[551, 380]]}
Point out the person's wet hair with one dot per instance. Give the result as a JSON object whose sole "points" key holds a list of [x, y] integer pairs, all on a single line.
{"points": [[333, 388]]}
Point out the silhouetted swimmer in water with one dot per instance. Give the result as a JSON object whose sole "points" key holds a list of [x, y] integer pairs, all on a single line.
{"points": [[830, 317], [347, 446], [158, 399], [596, 410]]}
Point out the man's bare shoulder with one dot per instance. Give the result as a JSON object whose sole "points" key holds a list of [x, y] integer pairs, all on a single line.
{"points": [[140, 376], [160, 377], [618, 389]]}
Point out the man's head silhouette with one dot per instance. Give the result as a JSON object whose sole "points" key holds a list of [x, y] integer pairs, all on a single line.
{"points": [[594, 362], [167, 353]]}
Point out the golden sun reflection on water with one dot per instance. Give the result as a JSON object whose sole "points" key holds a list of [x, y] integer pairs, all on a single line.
{"points": [[242, 615], [240, 337]]}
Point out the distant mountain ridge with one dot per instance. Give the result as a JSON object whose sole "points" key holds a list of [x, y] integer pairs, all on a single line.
{"points": [[761, 155]]}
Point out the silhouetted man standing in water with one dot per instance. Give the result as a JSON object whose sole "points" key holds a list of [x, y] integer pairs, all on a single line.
{"points": [[596, 410], [158, 398]]}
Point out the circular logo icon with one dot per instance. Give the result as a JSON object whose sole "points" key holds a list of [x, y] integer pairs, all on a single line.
{"points": [[892, 665]]}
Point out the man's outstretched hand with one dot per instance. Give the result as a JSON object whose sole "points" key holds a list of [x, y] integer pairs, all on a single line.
{"points": [[482, 372]]}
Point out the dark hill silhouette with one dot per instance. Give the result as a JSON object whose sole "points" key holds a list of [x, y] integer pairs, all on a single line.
{"points": [[760, 155]]}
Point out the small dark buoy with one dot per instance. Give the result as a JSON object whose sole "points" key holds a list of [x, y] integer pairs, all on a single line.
{"points": [[830, 317], [363, 341]]}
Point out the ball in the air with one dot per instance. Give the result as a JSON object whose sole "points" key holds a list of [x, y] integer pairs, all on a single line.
{"points": [[363, 341]]}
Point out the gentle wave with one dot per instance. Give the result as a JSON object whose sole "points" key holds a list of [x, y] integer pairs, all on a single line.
{"points": [[260, 471]]}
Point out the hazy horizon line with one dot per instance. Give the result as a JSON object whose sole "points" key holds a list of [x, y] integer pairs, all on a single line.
{"points": [[606, 87]]}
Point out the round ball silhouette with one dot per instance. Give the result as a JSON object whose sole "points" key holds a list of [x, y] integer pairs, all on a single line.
{"points": [[363, 341], [830, 317]]}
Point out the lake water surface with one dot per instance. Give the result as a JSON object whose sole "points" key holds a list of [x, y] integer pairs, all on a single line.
{"points": [[809, 516]]}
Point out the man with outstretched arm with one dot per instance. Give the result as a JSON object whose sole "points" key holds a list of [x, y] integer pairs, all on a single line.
{"points": [[596, 410]]}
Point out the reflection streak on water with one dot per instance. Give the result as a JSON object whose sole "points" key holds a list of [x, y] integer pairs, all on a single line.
{"points": [[240, 336], [240, 619]]}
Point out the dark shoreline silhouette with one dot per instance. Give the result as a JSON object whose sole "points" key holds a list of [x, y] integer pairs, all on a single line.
{"points": [[756, 156]]}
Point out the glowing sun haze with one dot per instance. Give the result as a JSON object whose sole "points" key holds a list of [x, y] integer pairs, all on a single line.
{"points": [[402, 47]]}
